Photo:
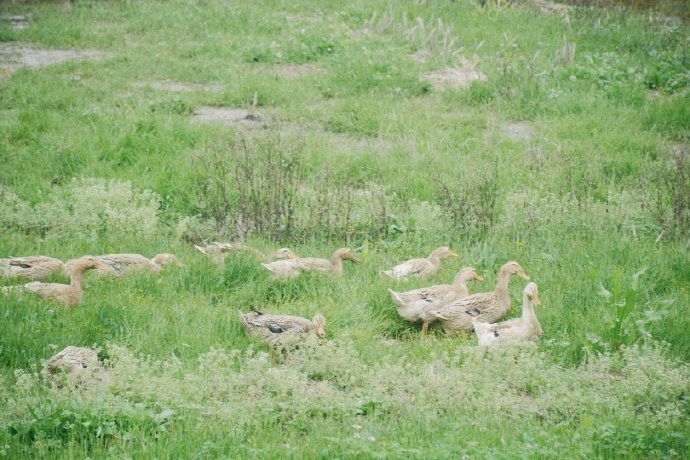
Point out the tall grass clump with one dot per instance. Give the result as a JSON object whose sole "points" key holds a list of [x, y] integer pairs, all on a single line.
{"points": [[260, 187], [86, 209]]}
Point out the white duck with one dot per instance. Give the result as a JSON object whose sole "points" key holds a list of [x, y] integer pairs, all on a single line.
{"points": [[517, 330], [415, 305], [420, 268]]}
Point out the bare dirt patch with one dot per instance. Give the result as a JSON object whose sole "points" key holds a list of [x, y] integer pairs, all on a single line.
{"points": [[176, 86], [230, 116], [14, 56], [295, 70], [518, 131], [455, 77]]}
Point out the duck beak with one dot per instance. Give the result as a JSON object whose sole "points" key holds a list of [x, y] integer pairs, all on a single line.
{"points": [[523, 275], [479, 278]]}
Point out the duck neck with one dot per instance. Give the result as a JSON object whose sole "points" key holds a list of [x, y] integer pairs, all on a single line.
{"points": [[502, 285], [435, 261], [155, 266], [336, 264], [460, 286], [527, 308], [75, 285]]}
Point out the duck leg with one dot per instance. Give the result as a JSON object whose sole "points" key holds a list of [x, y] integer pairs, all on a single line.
{"points": [[424, 327]]}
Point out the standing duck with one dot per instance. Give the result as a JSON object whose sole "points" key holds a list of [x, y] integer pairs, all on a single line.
{"points": [[283, 333], [420, 268], [32, 268], [458, 316], [119, 264], [523, 329], [290, 268], [67, 294], [415, 305]]}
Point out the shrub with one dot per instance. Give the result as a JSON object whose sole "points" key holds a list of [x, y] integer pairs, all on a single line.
{"points": [[85, 208]]}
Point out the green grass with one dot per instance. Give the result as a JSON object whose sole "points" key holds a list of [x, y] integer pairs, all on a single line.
{"points": [[356, 149]]}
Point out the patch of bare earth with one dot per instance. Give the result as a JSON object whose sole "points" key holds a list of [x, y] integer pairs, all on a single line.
{"points": [[518, 131], [230, 116], [455, 77], [14, 56], [176, 87], [295, 70]]}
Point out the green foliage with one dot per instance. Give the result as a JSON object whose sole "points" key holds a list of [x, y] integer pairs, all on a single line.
{"points": [[85, 209]]}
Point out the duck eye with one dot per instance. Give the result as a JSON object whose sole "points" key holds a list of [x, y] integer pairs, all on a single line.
{"points": [[84, 365]]}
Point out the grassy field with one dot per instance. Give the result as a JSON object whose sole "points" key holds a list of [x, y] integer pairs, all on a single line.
{"points": [[557, 137]]}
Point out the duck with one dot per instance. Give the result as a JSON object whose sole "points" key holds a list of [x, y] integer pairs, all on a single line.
{"points": [[414, 305], [458, 316], [119, 264], [420, 268], [525, 329], [290, 268], [32, 268], [72, 364], [283, 333], [219, 251], [67, 294]]}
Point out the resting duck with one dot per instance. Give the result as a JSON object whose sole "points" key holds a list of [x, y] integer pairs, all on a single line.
{"points": [[516, 330], [32, 268], [290, 268], [283, 333], [420, 268], [414, 305], [73, 365], [219, 251], [119, 264], [67, 294], [458, 316]]}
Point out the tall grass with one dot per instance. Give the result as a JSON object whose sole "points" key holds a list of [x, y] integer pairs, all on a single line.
{"points": [[570, 157]]}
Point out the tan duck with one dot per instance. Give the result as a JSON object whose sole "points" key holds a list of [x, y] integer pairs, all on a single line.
{"points": [[457, 316], [67, 294], [219, 251], [420, 268], [119, 264], [76, 364], [290, 268], [414, 305], [517, 330], [32, 268], [283, 333]]}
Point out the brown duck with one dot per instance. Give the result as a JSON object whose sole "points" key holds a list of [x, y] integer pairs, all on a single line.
{"points": [[67, 294], [32, 268], [283, 333], [290, 268], [459, 315], [420, 268], [415, 305]]}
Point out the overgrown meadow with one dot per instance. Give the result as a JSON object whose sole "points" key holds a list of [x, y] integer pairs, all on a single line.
{"points": [[555, 136]]}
